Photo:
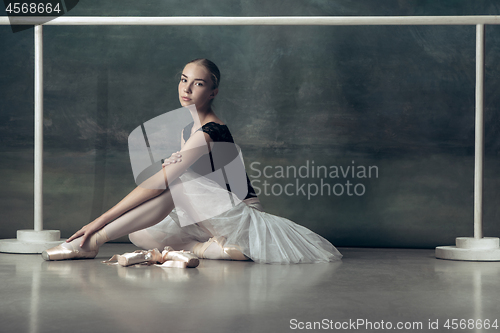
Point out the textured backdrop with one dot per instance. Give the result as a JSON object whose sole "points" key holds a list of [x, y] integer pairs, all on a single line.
{"points": [[398, 99]]}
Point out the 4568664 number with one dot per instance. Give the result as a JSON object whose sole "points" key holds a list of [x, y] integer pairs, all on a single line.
{"points": [[32, 8]]}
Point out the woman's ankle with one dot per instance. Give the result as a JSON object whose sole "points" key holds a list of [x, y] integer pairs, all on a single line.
{"points": [[93, 242]]}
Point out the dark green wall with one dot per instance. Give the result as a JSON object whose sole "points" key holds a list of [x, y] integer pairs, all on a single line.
{"points": [[400, 98]]}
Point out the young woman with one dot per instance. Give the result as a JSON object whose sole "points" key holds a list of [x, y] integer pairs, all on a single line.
{"points": [[239, 232]]}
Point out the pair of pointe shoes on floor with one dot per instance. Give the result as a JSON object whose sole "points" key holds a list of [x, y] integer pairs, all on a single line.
{"points": [[218, 249], [167, 258]]}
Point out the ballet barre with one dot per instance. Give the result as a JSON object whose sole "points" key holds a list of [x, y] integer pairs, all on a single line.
{"points": [[477, 248], [249, 20]]}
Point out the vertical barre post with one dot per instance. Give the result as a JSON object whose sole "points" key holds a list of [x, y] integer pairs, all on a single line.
{"points": [[36, 240], [479, 144], [38, 128], [477, 248]]}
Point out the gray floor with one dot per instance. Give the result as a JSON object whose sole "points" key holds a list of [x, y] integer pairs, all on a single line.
{"points": [[370, 285]]}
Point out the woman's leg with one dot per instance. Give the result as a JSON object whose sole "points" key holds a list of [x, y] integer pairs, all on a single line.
{"points": [[135, 221], [143, 216], [146, 239], [176, 237]]}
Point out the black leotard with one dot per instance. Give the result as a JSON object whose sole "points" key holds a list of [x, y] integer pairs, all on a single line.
{"points": [[218, 133]]}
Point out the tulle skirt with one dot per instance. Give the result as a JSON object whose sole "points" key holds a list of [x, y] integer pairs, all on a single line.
{"points": [[203, 209]]}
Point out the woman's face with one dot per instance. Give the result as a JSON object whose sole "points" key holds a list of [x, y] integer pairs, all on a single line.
{"points": [[195, 87]]}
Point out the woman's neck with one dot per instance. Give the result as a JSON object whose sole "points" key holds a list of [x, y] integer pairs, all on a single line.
{"points": [[206, 116]]}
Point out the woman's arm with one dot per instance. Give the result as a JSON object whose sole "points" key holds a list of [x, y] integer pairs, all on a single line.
{"points": [[182, 139], [195, 147], [176, 157]]}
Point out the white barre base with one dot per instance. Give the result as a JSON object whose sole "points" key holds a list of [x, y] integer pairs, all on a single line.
{"points": [[471, 249], [31, 241]]}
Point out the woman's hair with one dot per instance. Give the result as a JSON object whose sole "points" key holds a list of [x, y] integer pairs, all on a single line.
{"points": [[211, 68]]}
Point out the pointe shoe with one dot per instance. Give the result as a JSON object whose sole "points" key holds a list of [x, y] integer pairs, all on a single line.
{"points": [[167, 258], [133, 258], [149, 257], [62, 253], [229, 252], [189, 258]]}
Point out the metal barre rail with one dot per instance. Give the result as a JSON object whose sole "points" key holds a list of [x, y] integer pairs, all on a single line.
{"points": [[252, 20]]}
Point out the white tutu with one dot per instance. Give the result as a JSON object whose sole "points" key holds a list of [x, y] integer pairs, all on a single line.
{"points": [[204, 209]]}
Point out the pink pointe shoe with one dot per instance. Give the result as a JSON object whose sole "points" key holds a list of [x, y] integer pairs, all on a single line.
{"points": [[62, 252], [229, 252], [168, 258], [187, 257]]}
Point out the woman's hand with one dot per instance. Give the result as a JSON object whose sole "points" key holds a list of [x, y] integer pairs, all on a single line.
{"points": [[174, 158], [85, 232]]}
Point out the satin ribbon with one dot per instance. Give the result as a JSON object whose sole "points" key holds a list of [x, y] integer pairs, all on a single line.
{"points": [[168, 258]]}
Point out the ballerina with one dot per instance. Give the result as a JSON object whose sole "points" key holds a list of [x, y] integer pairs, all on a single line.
{"points": [[240, 231]]}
